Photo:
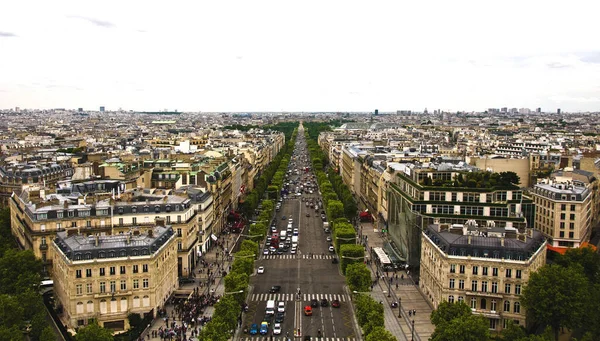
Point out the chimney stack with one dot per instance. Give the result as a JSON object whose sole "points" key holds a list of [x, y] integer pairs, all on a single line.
{"points": [[469, 239], [502, 241], [150, 232], [97, 241]]}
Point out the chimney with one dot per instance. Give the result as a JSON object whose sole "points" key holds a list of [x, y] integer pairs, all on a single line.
{"points": [[128, 238], [150, 232], [502, 241], [66, 204], [469, 239], [97, 241]]}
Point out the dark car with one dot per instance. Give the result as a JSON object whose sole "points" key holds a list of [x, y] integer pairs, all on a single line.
{"points": [[284, 218], [335, 303], [254, 329], [275, 289], [314, 303], [279, 317], [324, 302]]}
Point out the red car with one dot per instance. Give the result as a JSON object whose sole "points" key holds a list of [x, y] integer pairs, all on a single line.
{"points": [[335, 303]]}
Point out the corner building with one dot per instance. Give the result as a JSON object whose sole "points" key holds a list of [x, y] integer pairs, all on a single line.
{"points": [[486, 267], [108, 277]]}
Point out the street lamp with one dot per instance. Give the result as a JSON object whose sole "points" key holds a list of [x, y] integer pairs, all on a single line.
{"points": [[412, 338], [399, 307], [233, 292]]}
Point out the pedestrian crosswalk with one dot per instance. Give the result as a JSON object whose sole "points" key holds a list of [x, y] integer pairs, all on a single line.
{"points": [[296, 256], [283, 338], [292, 297]]}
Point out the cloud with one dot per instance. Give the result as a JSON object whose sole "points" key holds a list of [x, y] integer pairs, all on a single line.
{"points": [[7, 34], [590, 57], [575, 99], [558, 65], [97, 22]]}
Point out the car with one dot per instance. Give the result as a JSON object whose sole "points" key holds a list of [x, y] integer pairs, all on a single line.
{"points": [[261, 270], [327, 230], [293, 250], [254, 329], [264, 328], [328, 238], [314, 303], [268, 318], [308, 311], [324, 302], [275, 289], [265, 251], [272, 249], [277, 329], [335, 303], [281, 307], [307, 214], [296, 231], [273, 229], [279, 317], [331, 249], [284, 218], [280, 251]]}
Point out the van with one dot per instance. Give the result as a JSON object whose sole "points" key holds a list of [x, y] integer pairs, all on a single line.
{"points": [[270, 310]]}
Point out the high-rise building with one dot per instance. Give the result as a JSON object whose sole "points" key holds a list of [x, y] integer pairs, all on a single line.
{"points": [[102, 109], [558, 111], [504, 109], [538, 110], [376, 112]]}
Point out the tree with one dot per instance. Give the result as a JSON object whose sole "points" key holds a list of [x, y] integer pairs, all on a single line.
{"points": [[344, 235], [358, 277], [375, 319], [350, 254], [250, 246], [463, 328], [19, 270], [236, 281], [11, 312], [93, 332], [380, 334], [556, 296], [365, 306], [48, 334], [228, 309], [586, 257], [513, 332], [335, 209], [11, 333], [215, 330], [243, 263]]}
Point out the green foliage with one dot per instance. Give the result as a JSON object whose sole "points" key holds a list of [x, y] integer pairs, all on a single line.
{"points": [[380, 334], [250, 246], [243, 262], [228, 309], [556, 296], [11, 333], [455, 322], [335, 209], [447, 311], [350, 254], [93, 332], [48, 334], [236, 281], [11, 312], [343, 235], [19, 270], [215, 330], [585, 257], [358, 277], [513, 332], [368, 309]]}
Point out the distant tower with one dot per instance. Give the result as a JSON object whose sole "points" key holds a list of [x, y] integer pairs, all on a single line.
{"points": [[538, 110], [101, 109], [376, 112], [79, 109], [425, 111], [558, 111]]}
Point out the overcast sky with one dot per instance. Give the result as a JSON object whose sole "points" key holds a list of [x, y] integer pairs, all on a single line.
{"points": [[305, 55]]}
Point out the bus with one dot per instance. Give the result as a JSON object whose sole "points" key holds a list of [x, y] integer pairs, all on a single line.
{"points": [[382, 259], [47, 283]]}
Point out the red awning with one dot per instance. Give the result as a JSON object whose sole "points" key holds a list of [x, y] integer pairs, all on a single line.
{"points": [[364, 214], [563, 250]]}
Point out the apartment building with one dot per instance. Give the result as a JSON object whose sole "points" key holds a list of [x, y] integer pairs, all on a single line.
{"points": [[565, 207], [420, 194], [106, 278], [18, 176], [485, 267], [36, 217]]}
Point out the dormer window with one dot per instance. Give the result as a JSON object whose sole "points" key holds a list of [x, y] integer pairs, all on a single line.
{"points": [[168, 208], [156, 208], [134, 209]]}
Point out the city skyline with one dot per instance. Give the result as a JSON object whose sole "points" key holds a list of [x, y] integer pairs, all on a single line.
{"points": [[313, 56]]}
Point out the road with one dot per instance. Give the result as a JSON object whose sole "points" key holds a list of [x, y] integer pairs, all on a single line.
{"points": [[309, 271]]}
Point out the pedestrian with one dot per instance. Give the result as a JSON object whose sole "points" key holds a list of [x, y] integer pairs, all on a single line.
{"points": [[409, 313], [414, 312], [396, 285]]}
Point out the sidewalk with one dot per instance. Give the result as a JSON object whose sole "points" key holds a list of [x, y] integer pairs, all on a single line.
{"points": [[403, 290], [201, 283]]}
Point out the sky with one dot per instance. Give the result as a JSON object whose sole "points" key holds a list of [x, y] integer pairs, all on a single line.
{"points": [[323, 55]]}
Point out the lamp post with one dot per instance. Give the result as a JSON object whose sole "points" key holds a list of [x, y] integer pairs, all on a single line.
{"points": [[412, 338], [399, 307]]}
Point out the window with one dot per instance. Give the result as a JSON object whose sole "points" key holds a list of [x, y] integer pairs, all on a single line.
{"points": [[563, 216], [460, 298], [135, 269], [495, 287], [562, 225], [179, 245], [451, 283], [102, 287], [134, 220], [517, 289], [571, 226], [572, 216], [518, 274], [451, 298], [136, 283], [517, 308], [145, 268], [508, 273], [112, 270], [484, 271], [563, 207], [475, 270], [462, 269], [79, 289], [88, 223], [507, 288], [473, 303], [483, 303], [494, 271], [561, 234], [507, 306], [452, 268], [113, 286], [168, 219], [473, 285], [484, 286], [179, 219], [145, 283], [493, 323], [179, 233], [77, 273], [88, 288], [122, 269], [120, 221], [88, 272], [493, 305], [571, 234], [123, 285], [102, 272], [461, 284]]}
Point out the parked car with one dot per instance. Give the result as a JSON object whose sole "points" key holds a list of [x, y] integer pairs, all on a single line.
{"points": [[254, 329]]}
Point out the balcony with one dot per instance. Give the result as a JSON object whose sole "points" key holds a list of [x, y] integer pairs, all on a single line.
{"points": [[43, 247]]}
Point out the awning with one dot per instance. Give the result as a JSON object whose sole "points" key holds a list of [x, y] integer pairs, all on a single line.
{"points": [[563, 250], [213, 237]]}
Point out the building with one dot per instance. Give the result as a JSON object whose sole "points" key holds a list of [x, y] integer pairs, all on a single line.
{"points": [[102, 109], [16, 177], [486, 267], [564, 206], [422, 194], [109, 277]]}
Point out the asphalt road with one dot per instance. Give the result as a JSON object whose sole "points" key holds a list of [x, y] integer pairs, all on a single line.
{"points": [[310, 271]]}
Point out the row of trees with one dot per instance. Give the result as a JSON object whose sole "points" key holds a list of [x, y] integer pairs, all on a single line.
{"points": [[339, 212], [502, 180], [561, 295]]}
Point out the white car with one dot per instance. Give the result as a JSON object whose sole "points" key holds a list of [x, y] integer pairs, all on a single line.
{"points": [[277, 329], [265, 251], [293, 250], [281, 307], [261, 270], [331, 249]]}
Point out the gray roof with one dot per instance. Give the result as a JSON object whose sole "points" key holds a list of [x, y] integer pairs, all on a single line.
{"points": [[82, 247]]}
